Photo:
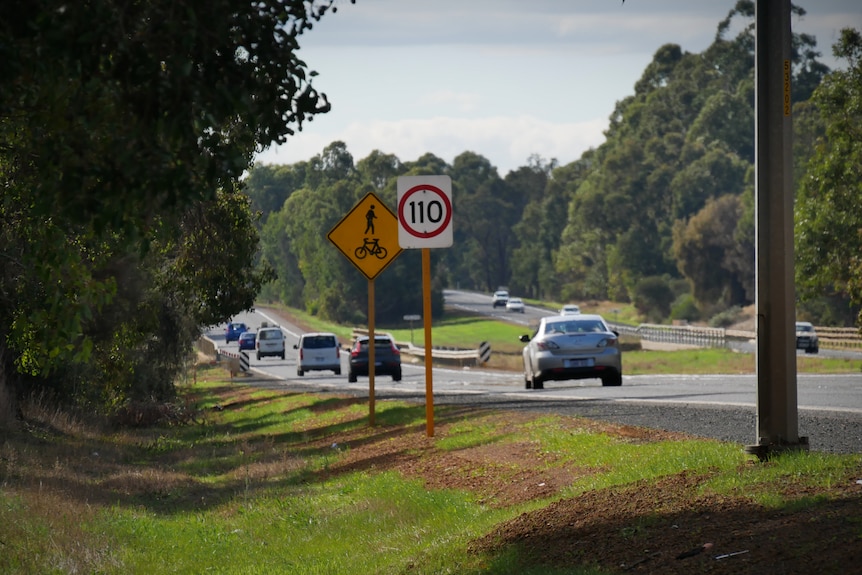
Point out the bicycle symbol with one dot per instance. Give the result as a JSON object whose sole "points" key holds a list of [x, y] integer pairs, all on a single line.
{"points": [[371, 247]]}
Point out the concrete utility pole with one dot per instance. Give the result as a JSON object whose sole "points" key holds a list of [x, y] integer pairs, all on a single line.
{"points": [[777, 416]]}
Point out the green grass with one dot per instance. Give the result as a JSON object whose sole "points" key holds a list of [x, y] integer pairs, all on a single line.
{"points": [[722, 361], [256, 487]]}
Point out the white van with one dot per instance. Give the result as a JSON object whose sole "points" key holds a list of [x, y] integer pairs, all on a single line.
{"points": [[269, 341], [318, 351]]}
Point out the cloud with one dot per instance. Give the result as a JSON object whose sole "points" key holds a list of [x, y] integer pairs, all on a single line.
{"points": [[507, 142], [462, 101]]}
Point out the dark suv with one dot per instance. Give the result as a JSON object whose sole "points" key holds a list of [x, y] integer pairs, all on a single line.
{"points": [[387, 358]]}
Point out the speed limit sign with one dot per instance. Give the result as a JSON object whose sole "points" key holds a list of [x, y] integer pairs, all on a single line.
{"points": [[424, 212]]}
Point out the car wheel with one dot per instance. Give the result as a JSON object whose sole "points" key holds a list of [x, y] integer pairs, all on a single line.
{"points": [[351, 378], [338, 371], [396, 376], [258, 356], [528, 383], [282, 355], [537, 382], [612, 380], [300, 373]]}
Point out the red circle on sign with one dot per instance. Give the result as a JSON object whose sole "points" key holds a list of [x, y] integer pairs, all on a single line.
{"points": [[425, 188]]}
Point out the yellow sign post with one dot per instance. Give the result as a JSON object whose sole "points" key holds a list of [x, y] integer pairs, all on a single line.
{"points": [[368, 237], [425, 221]]}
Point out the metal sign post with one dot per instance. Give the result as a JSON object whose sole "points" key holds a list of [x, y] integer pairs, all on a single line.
{"points": [[425, 221], [411, 318], [367, 236]]}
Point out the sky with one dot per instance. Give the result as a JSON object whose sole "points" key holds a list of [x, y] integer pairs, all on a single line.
{"points": [[506, 79]]}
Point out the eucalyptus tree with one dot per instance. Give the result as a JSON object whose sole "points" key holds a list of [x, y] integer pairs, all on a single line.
{"points": [[685, 137], [705, 247], [268, 186], [116, 117], [828, 209], [379, 169]]}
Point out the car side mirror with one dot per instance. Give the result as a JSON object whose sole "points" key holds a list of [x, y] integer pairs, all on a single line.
{"points": [[524, 338]]}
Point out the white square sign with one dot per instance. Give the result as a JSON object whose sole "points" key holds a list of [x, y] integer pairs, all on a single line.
{"points": [[425, 212]]}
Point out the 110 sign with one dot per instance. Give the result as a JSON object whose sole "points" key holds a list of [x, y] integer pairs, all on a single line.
{"points": [[424, 211], [435, 210]]}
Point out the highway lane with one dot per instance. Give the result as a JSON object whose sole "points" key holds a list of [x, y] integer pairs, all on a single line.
{"points": [[721, 407], [823, 392]]}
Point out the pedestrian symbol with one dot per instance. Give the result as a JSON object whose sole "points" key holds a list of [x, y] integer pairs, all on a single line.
{"points": [[369, 218]]}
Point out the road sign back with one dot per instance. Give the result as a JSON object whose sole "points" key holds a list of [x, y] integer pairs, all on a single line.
{"points": [[368, 236]]}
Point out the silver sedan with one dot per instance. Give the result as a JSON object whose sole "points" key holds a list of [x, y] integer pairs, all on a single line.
{"points": [[572, 347]]}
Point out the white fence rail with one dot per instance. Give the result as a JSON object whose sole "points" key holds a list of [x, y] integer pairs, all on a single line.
{"points": [[460, 357], [831, 337]]}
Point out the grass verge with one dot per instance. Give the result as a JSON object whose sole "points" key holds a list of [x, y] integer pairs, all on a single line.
{"points": [[263, 481]]}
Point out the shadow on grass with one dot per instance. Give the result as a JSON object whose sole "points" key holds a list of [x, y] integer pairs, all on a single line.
{"points": [[175, 470]]}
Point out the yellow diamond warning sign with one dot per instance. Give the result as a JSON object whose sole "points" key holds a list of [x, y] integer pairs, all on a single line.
{"points": [[368, 236]]}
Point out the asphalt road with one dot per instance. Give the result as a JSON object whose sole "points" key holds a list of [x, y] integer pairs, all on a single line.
{"points": [[714, 406]]}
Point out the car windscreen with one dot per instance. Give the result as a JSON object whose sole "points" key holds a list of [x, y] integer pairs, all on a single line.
{"points": [[579, 326], [270, 334], [318, 342]]}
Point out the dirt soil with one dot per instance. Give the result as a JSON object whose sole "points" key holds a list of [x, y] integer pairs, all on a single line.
{"points": [[665, 527]]}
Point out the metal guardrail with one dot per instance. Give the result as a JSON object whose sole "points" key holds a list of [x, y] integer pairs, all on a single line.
{"points": [[455, 356], [832, 337]]}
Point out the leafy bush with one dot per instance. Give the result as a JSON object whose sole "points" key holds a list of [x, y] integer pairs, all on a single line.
{"points": [[684, 307], [727, 317], [653, 297]]}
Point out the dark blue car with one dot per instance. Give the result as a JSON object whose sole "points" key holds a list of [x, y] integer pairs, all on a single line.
{"points": [[246, 340], [233, 331]]}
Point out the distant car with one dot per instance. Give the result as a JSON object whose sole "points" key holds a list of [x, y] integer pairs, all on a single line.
{"points": [[269, 342], [246, 340], [318, 351], [572, 347], [515, 304], [387, 358], [233, 331], [806, 337], [500, 298], [570, 309]]}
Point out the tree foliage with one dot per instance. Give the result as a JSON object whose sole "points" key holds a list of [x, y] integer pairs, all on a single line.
{"points": [[666, 200], [124, 129], [828, 211]]}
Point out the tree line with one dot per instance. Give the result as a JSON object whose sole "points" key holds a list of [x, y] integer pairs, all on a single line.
{"points": [[661, 214], [124, 131]]}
